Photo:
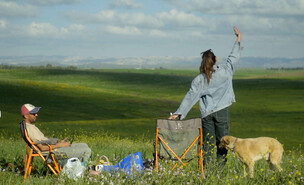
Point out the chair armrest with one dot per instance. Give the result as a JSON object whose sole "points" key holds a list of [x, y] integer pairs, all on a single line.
{"points": [[50, 141], [50, 148]]}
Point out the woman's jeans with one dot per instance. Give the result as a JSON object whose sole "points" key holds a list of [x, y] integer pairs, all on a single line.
{"points": [[215, 126]]}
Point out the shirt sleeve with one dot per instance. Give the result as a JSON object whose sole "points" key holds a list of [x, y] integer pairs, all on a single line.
{"points": [[193, 95], [234, 57]]}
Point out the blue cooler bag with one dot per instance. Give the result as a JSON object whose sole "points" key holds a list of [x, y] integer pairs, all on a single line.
{"points": [[130, 164]]}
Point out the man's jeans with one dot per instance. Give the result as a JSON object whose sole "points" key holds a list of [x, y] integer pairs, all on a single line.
{"points": [[215, 126]]}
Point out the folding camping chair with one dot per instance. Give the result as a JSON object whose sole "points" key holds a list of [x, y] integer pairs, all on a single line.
{"points": [[180, 141], [33, 151]]}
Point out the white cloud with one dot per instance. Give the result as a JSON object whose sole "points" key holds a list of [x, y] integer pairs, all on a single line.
{"points": [[12, 9], [129, 4], [128, 30], [259, 17], [171, 18], [253, 25], [197, 34], [76, 27], [118, 19], [42, 29], [48, 30], [105, 16], [2, 24], [158, 33], [72, 29], [181, 18], [139, 19], [54, 2], [236, 7]]}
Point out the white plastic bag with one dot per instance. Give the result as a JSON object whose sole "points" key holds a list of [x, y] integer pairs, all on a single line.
{"points": [[73, 168]]}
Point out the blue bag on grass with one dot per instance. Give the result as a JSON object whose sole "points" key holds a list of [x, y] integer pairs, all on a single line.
{"points": [[130, 164]]}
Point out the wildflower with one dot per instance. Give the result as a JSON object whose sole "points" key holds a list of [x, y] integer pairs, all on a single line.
{"points": [[272, 178], [236, 177], [262, 169]]}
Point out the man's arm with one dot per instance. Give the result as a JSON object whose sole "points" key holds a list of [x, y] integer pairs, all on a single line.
{"points": [[61, 144]]}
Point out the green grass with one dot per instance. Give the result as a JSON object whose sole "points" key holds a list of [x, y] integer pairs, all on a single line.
{"points": [[115, 112], [127, 102], [116, 148]]}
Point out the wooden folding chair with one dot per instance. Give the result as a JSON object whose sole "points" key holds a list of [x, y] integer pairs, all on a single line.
{"points": [[33, 151], [180, 141]]}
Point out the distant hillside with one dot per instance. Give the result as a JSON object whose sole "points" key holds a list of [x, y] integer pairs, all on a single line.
{"points": [[145, 62]]}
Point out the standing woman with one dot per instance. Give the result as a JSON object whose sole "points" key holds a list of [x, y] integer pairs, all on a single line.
{"points": [[213, 89]]}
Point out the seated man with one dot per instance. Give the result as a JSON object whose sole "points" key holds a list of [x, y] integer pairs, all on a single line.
{"points": [[62, 149]]}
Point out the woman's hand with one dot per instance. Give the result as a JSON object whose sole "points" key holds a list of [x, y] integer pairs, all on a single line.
{"points": [[173, 116], [237, 33]]}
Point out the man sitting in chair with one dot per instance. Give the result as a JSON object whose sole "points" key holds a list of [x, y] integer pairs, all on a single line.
{"points": [[62, 149]]}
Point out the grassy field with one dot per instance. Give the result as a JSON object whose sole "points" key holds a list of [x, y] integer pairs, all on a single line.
{"points": [[115, 112]]}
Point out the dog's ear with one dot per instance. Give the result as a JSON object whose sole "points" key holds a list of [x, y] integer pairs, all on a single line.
{"points": [[226, 140]]}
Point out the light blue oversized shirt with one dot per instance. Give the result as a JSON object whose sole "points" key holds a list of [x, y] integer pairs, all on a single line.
{"points": [[216, 95]]}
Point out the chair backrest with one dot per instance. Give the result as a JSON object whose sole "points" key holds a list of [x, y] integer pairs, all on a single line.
{"points": [[178, 134], [22, 126], [29, 142]]}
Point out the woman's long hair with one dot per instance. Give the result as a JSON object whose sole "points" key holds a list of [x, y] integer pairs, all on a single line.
{"points": [[208, 60]]}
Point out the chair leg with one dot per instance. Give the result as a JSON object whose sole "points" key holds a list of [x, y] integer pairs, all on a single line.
{"points": [[200, 154], [57, 167], [25, 166], [28, 166], [31, 165], [155, 151], [155, 157], [52, 169], [26, 162], [55, 164], [201, 165], [49, 166]]}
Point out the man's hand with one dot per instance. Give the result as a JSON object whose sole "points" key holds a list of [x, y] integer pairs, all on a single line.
{"points": [[64, 140], [63, 144], [237, 33]]}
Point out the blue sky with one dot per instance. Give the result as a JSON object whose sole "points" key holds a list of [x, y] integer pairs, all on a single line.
{"points": [[142, 28]]}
